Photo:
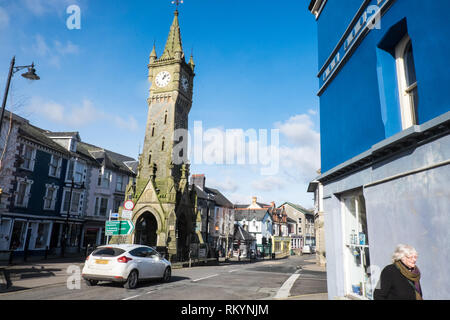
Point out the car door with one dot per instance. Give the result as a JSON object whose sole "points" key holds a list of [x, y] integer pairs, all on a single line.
{"points": [[140, 256], [158, 264]]}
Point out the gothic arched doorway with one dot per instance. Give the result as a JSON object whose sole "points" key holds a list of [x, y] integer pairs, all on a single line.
{"points": [[146, 227]]}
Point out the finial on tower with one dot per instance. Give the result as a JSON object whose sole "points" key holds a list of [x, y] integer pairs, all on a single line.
{"points": [[177, 3]]}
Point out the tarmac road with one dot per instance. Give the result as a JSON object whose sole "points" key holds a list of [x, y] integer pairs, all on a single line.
{"points": [[295, 277]]}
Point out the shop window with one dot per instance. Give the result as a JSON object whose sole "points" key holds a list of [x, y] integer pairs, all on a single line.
{"points": [[5, 229], [18, 235], [356, 246], [42, 236]]}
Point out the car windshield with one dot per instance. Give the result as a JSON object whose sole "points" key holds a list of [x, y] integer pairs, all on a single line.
{"points": [[108, 252]]}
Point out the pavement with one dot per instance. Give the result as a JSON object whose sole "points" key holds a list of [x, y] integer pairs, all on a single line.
{"points": [[37, 272]]}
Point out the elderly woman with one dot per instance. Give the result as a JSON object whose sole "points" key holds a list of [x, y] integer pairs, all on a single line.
{"points": [[401, 279]]}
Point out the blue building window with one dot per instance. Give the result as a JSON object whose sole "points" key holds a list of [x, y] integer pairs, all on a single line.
{"points": [[397, 80]]}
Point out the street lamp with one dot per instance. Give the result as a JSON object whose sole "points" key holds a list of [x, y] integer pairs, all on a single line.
{"points": [[73, 185], [30, 75]]}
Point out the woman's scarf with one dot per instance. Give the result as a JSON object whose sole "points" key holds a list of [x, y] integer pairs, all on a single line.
{"points": [[412, 276]]}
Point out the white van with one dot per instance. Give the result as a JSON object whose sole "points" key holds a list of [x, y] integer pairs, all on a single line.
{"points": [[306, 249]]}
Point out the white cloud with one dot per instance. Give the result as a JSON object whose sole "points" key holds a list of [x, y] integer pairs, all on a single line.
{"points": [[226, 185], [81, 115], [42, 7], [53, 53], [270, 183], [299, 130], [4, 18]]}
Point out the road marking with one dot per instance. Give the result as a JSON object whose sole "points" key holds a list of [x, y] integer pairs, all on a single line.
{"points": [[233, 270], [283, 292], [129, 298], [214, 275]]}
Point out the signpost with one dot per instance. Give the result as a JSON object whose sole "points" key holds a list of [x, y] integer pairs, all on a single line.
{"points": [[119, 228]]}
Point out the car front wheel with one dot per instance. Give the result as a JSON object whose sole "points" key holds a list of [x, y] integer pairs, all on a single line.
{"points": [[132, 280]]}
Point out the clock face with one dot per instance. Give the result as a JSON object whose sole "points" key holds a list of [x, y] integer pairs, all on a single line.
{"points": [[162, 79], [185, 83]]}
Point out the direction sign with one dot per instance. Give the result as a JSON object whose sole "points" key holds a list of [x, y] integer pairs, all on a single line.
{"points": [[114, 215], [118, 228], [126, 227]]}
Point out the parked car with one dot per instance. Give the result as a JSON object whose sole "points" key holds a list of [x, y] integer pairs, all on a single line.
{"points": [[306, 249], [313, 249], [126, 264]]}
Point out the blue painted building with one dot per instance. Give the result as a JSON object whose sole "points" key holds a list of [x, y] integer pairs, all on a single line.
{"points": [[385, 148]]}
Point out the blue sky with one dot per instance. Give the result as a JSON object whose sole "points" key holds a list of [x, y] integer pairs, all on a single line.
{"points": [[256, 66]]}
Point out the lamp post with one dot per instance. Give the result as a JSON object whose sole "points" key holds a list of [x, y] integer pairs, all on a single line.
{"points": [[30, 75], [73, 185]]}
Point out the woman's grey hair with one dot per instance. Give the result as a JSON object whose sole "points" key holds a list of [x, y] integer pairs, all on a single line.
{"points": [[403, 250]]}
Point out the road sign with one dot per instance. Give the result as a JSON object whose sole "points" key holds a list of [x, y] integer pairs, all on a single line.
{"points": [[128, 205], [114, 215], [118, 228], [127, 214], [112, 228], [126, 227]]}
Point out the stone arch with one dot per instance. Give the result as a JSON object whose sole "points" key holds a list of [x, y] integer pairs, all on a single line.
{"points": [[148, 226]]}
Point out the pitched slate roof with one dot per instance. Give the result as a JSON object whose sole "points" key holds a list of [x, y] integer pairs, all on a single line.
{"points": [[38, 135], [103, 157], [215, 195], [241, 234], [250, 214], [299, 208]]}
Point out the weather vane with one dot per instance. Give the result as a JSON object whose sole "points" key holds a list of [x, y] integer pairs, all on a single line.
{"points": [[177, 3]]}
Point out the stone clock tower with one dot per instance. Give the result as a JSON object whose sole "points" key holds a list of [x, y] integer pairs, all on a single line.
{"points": [[163, 215]]}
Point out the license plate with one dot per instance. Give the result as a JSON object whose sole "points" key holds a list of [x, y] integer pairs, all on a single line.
{"points": [[101, 261]]}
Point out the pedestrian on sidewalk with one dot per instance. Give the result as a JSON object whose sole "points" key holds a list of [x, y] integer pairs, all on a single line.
{"points": [[401, 279]]}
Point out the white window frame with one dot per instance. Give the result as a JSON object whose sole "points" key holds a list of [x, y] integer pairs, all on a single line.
{"points": [[32, 160], [56, 167], [66, 193], [52, 200], [123, 183], [408, 110], [27, 192], [98, 206], [79, 169], [104, 178]]}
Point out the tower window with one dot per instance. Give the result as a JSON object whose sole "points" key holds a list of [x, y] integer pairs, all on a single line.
{"points": [[162, 145], [165, 118], [407, 82], [150, 158], [153, 130]]}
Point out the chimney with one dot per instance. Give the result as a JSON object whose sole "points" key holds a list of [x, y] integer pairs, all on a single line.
{"points": [[254, 200], [198, 180]]}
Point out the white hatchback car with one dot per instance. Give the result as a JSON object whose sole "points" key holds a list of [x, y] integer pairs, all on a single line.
{"points": [[125, 263]]}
